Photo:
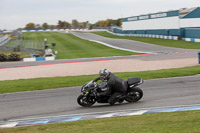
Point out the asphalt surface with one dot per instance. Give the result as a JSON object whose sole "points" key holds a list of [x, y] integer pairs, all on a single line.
{"points": [[130, 44], [157, 93], [62, 101]]}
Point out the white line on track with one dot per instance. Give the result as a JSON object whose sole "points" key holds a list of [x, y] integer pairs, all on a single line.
{"points": [[106, 44]]}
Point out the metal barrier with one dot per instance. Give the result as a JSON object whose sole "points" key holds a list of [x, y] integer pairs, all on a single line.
{"points": [[4, 39], [28, 44], [147, 35]]}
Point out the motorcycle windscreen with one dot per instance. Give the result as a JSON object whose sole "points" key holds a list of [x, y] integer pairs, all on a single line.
{"points": [[89, 84]]}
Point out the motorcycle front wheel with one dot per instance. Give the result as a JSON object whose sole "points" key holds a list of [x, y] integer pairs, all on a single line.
{"points": [[85, 101], [134, 94]]}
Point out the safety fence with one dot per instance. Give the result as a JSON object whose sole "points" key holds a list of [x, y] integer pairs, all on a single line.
{"points": [[39, 45], [34, 47], [4, 39]]}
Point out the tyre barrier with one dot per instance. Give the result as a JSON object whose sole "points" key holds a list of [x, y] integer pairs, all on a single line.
{"points": [[11, 57], [191, 39]]}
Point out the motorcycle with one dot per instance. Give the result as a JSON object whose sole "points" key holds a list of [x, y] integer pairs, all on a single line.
{"points": [[90, 90]]}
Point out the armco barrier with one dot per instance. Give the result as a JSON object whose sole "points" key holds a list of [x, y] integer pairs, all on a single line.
{"points": [[157, 36], [147, 35], [39, 59]]}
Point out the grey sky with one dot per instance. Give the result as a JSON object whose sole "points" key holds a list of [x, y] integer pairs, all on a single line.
{"points": [[17, 13]]}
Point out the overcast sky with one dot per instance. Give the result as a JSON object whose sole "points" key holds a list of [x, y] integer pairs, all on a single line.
{"points": [[17, 13]]}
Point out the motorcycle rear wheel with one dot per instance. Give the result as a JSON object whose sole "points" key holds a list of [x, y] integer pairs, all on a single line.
{"points": [[85, 101], [134, 94]]}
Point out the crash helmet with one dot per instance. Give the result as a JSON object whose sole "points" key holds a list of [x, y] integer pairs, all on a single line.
{"points": [[104, 74]]}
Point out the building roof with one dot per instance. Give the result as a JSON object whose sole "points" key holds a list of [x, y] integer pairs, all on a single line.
{"points": [[185, 11]]}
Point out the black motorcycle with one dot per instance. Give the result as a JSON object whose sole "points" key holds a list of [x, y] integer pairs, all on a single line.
{"points": [[90, 90]]}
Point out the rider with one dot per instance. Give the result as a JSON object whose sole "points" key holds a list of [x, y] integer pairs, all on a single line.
{"points": [[116, 86]]}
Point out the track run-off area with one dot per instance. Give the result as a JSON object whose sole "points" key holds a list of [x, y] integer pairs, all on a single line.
{"points": [[61, 102]]}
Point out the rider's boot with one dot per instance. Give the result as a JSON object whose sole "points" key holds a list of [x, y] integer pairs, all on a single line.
{"points": [[121, 100]]}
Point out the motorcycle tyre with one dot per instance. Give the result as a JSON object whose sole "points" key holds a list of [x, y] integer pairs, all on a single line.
{"points": [[79, 100], [134, 90]]}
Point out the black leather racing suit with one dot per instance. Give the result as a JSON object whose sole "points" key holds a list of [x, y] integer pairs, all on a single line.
{"points": [[116, 86]]}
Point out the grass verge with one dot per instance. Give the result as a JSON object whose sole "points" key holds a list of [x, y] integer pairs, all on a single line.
{"points": [[157, 41], [175, 122], [70, 46], [9, 86]]}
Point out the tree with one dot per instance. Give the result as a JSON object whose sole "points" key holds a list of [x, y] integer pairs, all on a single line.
{"points": [[84, 25], [75, 24], [45, 26], [60, 24], [30, 26], [118, 22], [66, 25], [38, 26], [63, 24], [52, 26], [108, 22]]}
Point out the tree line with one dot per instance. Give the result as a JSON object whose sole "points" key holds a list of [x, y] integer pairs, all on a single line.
{"points": [[74, 25]]}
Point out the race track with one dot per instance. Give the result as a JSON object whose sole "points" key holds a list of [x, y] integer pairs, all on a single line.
{"points": [[180, 91], [131, 44]]}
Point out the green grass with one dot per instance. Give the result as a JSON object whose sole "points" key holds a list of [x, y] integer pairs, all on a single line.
{"points": [[10, 86], [70, 46], [161, 42], [174, 122]]}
